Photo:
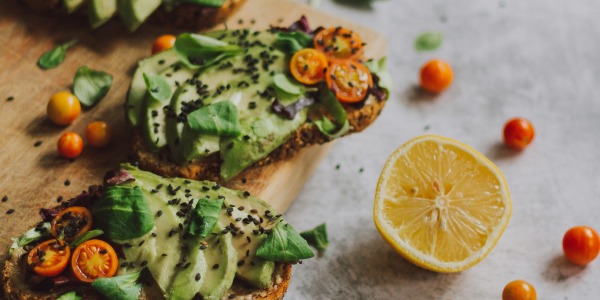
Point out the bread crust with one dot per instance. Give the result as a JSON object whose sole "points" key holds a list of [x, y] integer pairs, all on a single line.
{"points": [[209, 168], [185, 15]]}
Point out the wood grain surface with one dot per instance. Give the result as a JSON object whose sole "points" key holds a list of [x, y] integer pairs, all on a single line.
{"points": [[33, 177]]}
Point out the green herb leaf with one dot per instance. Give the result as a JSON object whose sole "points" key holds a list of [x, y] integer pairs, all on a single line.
{"points": [[204, 217], [428, 41], [284, 84], [123, 214], [293, 41], [86, 237], [125, 287], [379, 68], [219, 118], [157, 86], [317, 237], [30, 236], [284, 244], [69, 296], [90, 86], [201, 51], [214, 3], [335, 108], [52, 58]]}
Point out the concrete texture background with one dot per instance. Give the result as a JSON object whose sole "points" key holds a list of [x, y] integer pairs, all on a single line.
{"points": [[538, 59]]}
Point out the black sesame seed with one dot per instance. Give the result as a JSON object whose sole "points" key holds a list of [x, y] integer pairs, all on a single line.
{"points": [[67, 182], [231, 296], [11, 98], [5, 198], [197, 278], [215, 266], [154, 234], [246, 194], [59, 199], [103, 251], [37, 144], [141, 243], [159, 213], [10, 211]]}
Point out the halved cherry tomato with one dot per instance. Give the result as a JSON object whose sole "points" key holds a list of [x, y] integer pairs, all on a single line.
{"points": [[63, 108], [163, 42], [339, 43], [49, 258], [71, 223], [518, 133], [581, 245], [349, 80], [94, 259], [519, 290], [70, 145], [98, 134], [308, 66]]}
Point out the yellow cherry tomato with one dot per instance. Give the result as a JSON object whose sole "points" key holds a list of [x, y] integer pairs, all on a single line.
{"points": [[519, 290], [70, 145], [98, 134], [63, 108], [163, 42]]}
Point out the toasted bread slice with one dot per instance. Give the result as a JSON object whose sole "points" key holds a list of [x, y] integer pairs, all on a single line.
{"points": [[185, 15], [208, 168]]}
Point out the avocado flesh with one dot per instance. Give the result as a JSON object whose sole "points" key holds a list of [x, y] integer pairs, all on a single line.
{"points": [[155, 64], [100, 11], [154, 113], [221, 261], [72, 5], [135, 12], [188, 281], [253, 270]]}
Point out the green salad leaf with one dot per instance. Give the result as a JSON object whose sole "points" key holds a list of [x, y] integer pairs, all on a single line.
{"points": [[335, 108], [380, 69], [52, 58], [123, 214], [317, 237], [293, 41], [214, 3], [86, 237], [204, 217], [157, 86], [284, 244], [30, 236], [69, 296], [428, 41], [197, 50], [219, 118], [125, 287], [90, 86]]}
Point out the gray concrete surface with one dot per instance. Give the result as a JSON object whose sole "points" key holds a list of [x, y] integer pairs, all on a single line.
{"points": [[538, 59]]}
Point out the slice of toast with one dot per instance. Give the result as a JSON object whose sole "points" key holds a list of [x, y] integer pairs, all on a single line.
{"points": [[185, 15], [209, 168]]}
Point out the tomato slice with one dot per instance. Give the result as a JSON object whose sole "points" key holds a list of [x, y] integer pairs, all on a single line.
{"points": [[349, 80], [93, 259], [308, 66], [49, 258], [339, 43], [71, 222]]}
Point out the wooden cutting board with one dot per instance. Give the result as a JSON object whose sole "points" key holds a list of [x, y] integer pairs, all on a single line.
{"points": [[34, 177]]}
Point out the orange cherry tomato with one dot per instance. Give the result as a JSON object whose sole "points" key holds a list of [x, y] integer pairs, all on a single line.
{"points": [[163, 42], [519, 290], [349, 80], [94, 259], [339, 43], [436, 76], [49, 258], [98, 134], [63, 108], [581, 245], [71, 223], [70, 145], [518, 133], [308, 66]]}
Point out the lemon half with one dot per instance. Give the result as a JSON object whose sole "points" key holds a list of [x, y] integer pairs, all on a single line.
{"points": [[441, 204]]}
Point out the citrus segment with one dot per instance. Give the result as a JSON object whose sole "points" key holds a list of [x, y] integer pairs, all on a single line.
{"points": [[441, 204]]}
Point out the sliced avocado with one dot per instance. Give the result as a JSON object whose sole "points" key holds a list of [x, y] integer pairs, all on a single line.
{"points": [[155, 115], [72, 5], [135, 12], [243, 209], [188, 281], [221, 261], [196, 145], [100, 11], [155, 64]]}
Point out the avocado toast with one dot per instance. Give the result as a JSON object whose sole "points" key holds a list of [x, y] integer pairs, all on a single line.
{"points": [[192, 14], [168, 238], [237, 99]]}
